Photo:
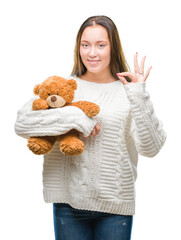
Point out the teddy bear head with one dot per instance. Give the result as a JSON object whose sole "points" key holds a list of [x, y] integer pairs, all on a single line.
{"points": [[57, 91]]}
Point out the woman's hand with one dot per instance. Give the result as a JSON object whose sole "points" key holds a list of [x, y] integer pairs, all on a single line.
{"points": [[95, 130], [138, 75]]}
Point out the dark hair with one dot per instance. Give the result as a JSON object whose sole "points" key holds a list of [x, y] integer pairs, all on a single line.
{"points": [[118, 62]]}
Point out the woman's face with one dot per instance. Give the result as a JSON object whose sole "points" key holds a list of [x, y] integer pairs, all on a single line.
{"points": [[95, 49]]}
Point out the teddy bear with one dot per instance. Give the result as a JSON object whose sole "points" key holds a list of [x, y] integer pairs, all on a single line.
{"points": [[57, 92]]}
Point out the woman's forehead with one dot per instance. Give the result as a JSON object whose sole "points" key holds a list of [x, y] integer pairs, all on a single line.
{"points": [[95, 33]]}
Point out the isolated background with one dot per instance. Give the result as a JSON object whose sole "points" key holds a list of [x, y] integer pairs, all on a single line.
{"points": [[37, 40]]}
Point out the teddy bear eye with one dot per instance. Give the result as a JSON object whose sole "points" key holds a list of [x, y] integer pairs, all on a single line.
{"points": [[57, 93], [49, 94]]}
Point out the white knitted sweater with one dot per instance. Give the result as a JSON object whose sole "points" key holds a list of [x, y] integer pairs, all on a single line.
{"points": [[103, 177]]}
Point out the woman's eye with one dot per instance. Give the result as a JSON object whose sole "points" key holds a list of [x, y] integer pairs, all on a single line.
{"points": [[85, 45], [101, 45]]}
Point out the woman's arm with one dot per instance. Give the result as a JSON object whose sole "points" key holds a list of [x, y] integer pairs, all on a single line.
{"points": [[146, 128], [51, 122]]}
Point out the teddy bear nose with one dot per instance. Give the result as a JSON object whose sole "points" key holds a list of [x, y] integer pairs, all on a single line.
{"points": [[53, 99]]}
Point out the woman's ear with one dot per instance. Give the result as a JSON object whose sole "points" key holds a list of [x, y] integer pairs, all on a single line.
{"points": [[36, 89], [72, 83]]}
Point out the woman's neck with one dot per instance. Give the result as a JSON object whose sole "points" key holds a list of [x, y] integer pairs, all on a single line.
{"points": [[98, 77]]}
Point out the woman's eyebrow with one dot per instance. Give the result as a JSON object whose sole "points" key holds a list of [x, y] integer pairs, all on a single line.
{"points": [[84, 41], [96, 42]]}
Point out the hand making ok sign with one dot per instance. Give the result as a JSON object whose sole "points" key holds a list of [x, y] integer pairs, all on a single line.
{"points": [[138, 75]]}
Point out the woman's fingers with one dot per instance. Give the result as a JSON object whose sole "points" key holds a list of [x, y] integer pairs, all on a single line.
{"points": [[128, 74], [142, 65], [122, 79], [138, 75], [136, 65], [96, 130], [147, 73], [125, 74]]}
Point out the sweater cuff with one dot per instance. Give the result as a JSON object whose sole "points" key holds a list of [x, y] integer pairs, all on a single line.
{"points": [[136, 93], [135, 88]]}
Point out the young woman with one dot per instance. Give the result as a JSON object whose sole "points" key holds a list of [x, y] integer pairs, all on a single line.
{"points": [[93, 194]]}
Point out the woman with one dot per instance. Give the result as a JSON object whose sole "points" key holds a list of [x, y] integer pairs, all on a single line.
{"points": [[93, 194]]}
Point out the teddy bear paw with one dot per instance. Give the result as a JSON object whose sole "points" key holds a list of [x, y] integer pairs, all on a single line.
{"points": [[39, 146], [71, 146]]}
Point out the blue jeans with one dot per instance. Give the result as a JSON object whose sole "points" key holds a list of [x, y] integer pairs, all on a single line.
{"points": [[74, 224]]}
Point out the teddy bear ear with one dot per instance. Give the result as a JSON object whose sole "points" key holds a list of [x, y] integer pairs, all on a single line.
{"points": [[72, 83], [36, 89]]}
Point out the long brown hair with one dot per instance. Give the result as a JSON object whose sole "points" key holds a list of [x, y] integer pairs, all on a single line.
{"points": [[118, 62]]}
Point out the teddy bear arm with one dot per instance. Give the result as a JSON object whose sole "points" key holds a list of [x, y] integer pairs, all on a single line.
{"points": [[39, 104], [89, 108]]}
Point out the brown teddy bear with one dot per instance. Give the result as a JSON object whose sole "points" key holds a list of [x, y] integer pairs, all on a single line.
{"points": [[57, 92]]}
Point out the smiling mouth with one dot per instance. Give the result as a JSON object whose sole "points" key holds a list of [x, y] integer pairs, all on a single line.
{"points": [[93, 61]]}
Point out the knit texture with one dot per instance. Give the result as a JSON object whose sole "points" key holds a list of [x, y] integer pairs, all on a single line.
{"points": [[51, 122], [103, 177]]}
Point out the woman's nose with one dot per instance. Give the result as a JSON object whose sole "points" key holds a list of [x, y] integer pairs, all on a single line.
{"points": [[92, 52]]}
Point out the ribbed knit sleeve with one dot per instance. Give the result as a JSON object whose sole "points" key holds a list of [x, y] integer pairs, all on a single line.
{"points": [[146, 128], [52, 122]]}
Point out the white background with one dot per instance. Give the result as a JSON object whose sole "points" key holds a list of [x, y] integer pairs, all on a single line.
{"points": [[37, 40]]}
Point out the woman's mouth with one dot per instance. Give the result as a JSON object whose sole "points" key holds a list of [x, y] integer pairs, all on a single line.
{"points": [[93, 62]]}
